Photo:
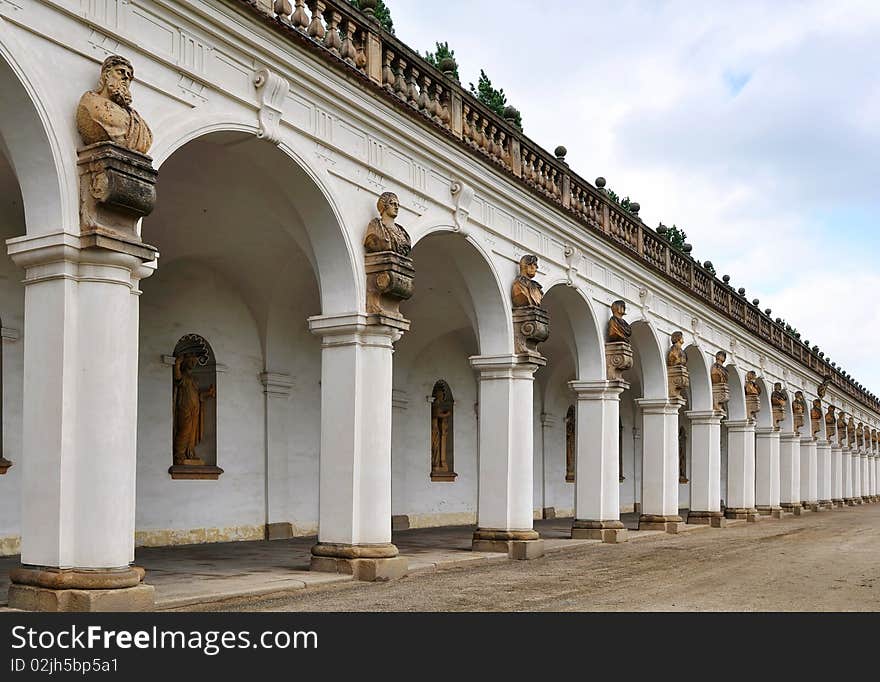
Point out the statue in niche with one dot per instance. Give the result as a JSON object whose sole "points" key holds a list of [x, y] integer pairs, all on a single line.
{"points": [[816, 416], [189, 408], [442, 433], [682, 454], [618, 328], [105, 114], [525, 290], [799, 410], [383, 234], [570, 442], [778, 399], [531, 322], [830, 423], [676, 357]]}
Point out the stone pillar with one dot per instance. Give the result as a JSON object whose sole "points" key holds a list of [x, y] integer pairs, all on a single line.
{"points": [[865, 480], [824, 474], [705, 505], [741, 470], [276, 388], [836, 475], [354, 511], [79, 423], [504, 514], [597, 483], [790, 473], [873, 464], [809, 490], [856, 467], [767, 484], [660, 464], [847, 477]]}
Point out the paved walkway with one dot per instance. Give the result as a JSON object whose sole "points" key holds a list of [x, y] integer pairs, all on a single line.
{"points": [[187, 575]]}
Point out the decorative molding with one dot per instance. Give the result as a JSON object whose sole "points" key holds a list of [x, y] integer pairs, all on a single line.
{"points": [[10, 334], [464, 198], [272, 91], [400, 399], [277, 384]]}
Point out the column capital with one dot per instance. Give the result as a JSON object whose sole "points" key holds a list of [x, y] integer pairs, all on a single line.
{"points": [[276, 384], [30, 251], [506, 366], [598, 389], [659, 405], [766, 432], [741, 425], [704, 416], [807, 440], [350, 328]]}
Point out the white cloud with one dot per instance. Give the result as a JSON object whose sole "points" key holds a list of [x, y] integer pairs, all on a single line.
{"points": [[774, 182]]}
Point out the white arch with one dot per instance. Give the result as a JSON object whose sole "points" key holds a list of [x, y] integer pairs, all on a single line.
{"points": [[700, 379], [765, 416], [43, 158], [589, 348], [490, 297], [736, 406], [340, 272], [646, 342]]}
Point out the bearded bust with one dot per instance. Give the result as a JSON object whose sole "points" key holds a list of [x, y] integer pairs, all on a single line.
{"points": [[105, 114]]}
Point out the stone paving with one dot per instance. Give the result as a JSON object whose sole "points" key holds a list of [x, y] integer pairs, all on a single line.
{"points": [[190, 574]]}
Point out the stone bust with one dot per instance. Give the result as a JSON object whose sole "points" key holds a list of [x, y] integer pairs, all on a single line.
{"points": [[105, 114], [719, 371], [816, 414], [618, 328], [525, 290], [830, 422], [752, 388], [778, 398], [676, 357], [383, 234]]}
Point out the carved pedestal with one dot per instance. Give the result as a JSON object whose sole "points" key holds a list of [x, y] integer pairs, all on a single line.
{"points": [[389, 281], [707, 518], [611, 532], [531, 326], [618, 359], [678, 382], [518, 544], [720, 397], [5, 464], [117, 187], [753, 405]]}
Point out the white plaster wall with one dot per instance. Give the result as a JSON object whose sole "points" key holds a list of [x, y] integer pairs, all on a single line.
{"points": [[551, 488], [189, 297], [723, 463], [412, 491], [684, 489], [630, 487]]}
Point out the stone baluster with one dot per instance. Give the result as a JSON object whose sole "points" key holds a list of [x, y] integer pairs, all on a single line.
{"points": [[484, 135], [332, 41], [400, 86], [388, 77], [316, 29], [505, 148], [283, 9], [360, 58], [412, 87], [466, 122], [347, 50], [426, 105], [441, 106], [299, 19]]}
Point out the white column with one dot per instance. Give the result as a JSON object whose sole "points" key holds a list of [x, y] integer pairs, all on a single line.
{"points": [[276, 388], [874, 475], [597, 482], [790, 472], [865, 479], [836, 474], [659, 464], [79, 435], [354, 509], [809, 492], [847, 476], [856, 474], [767, 470], [825, 477], [741, 470], [705, 467], [504, 511]]}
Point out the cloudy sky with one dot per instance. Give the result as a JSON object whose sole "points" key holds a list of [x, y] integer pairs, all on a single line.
{"points": [[754, 126]]}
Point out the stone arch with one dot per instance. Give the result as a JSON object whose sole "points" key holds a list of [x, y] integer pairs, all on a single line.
{"points": [[700, 390], [580, 317], [736, 407], [787, 423], [765, 416], [652, 359], [42, 158], [488, 306], [330, 248]]}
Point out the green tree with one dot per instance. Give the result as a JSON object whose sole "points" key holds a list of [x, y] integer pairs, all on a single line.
{"points": [[676, 237], [443, 57], [495, 99], [382, 14], [624, 203]]}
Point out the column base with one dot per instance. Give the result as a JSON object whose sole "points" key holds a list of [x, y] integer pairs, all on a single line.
{"points": [[747, 513], [837, 503], [525, 550], [764, 509], [36, 588], [814, 507], [826, 504], [849, 502], [707, 518], [372, 563], [792, 508], [610, 532], [668, 523], [489, 540], [865, 500]]}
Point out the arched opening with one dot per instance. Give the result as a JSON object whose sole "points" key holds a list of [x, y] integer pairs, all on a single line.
{"points": [[250, 248], [458, 310]]}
